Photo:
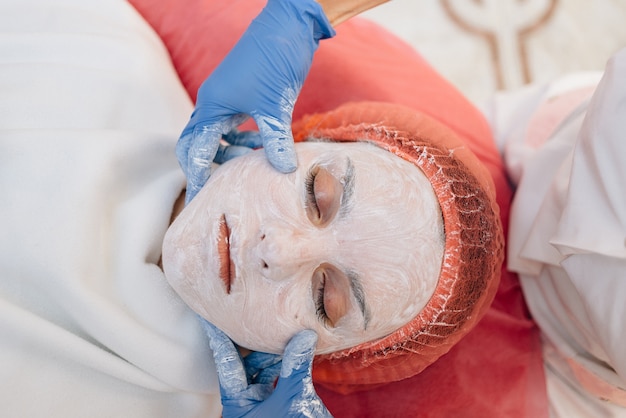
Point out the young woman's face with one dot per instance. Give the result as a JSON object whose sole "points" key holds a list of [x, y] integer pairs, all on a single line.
{"points": [[349, 245]]}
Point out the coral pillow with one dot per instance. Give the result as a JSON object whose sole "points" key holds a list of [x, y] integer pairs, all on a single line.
{"points": [[496, 370]]}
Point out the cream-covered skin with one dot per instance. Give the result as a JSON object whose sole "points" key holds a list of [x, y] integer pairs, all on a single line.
{"points": [[349, 245]]}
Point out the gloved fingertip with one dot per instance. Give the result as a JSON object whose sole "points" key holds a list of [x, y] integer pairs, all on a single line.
{"points": [[190, 192], [305, 338], [299, 353], [278, 142], [213, 332], [284, 161]]}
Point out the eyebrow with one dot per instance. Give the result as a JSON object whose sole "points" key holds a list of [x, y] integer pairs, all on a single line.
{"points": [[348, 189], [359, 295]]}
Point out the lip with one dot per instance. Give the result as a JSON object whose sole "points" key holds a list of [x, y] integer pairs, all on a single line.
{"points": [[227, 267]]}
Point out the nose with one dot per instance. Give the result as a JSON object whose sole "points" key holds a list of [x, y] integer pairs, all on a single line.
{"points": [[284, 250]]}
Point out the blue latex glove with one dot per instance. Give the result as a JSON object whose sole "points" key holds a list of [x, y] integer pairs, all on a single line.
{"points": [[260, 77], [247, 385]]}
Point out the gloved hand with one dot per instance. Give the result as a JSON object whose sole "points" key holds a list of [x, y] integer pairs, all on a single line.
{"points": [[260, 77], [247, 386]]}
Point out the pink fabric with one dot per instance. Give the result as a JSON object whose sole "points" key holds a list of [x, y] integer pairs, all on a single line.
{"points": [[494, 371], [551, 113]]}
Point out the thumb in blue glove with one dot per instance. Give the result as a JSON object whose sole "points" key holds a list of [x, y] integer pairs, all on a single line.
{"points": [[246, 385], [260, 77], [295, 382]]}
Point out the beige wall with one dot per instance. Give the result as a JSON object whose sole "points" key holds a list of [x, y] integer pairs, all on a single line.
{"points": [[484, 45]]}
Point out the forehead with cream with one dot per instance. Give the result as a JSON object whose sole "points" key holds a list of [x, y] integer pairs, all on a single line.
{"points": [[387, 236]]}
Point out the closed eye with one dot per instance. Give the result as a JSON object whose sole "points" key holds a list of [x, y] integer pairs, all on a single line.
{"points": [[331, 294], [320, 309], [311, 204], [323, 195]]}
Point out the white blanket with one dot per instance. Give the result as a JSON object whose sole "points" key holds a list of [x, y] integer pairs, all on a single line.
{"points": [[568, 231], [90, 111]]}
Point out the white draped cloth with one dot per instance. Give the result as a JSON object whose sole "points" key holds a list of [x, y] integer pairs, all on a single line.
{"points": [[90, 111], [565, 149]]}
